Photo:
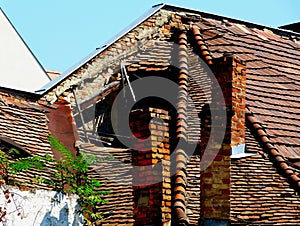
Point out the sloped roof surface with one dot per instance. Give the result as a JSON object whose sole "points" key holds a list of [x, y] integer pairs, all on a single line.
{"points": [[113, 169], [272, 57], [20, 70], [25, 123], [273, 85], [259, 193]]}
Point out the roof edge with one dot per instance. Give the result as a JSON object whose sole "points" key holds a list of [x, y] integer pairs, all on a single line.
{"points": [[25, 44], [220, 17], [20, 93], [154, 9], [278, 159]]}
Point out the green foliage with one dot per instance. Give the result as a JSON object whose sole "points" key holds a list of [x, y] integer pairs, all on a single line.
{"points": [[71, 176], [8, 169], [11, 168]]}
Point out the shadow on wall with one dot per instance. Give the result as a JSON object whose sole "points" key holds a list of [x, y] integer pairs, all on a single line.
{"points": [[59, 216]]}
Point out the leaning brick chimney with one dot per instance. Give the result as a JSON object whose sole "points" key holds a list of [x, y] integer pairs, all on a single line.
{"points": [[230, 73], [151, 164]]}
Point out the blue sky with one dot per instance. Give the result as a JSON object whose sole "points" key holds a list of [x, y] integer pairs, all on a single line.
{"points": [[62, 32]]}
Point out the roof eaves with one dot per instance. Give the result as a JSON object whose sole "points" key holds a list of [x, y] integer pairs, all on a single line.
{"points": [[14, 144], [20, 92], [118, 36]]}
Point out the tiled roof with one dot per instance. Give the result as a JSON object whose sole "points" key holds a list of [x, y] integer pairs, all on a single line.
{"points": [[272, 58], [259, 193], [272, 79], [25, 123], [113, 169], [193, 189]]}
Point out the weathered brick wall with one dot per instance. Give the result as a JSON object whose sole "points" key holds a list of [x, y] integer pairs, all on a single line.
{"points": [[231, 74], [152, 183], [215, 179]]}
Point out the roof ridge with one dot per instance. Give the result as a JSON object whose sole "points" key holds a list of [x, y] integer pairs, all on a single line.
{"points": [[150, 12], [221, 17], [153, 10], [272, 150]]}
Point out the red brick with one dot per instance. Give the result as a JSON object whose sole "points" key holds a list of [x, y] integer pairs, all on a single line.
{"points": [[207, 209], [207, 175], [207, 186], [218, 158], [226, 181], [226, 192]]}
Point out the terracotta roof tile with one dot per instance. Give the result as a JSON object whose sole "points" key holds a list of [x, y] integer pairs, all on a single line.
{"points": [[259, 194], [272, 78], [119, 209], [193, 189], [26, 124]]}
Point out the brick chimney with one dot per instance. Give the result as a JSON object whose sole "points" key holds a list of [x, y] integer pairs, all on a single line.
{"points": [[230, 73], [151, 165]]}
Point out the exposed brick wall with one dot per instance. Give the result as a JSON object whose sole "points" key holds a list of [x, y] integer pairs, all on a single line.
{"points": [[152, 201], [231, 74], [215, 179]]}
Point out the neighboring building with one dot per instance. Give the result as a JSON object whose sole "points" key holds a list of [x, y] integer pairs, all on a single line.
{"points": [[235, 78], [19, 68], [292, 27], [53, 74], [25, 125]]}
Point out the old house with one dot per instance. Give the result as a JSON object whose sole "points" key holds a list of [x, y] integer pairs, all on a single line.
{"points": [[192, 117]]}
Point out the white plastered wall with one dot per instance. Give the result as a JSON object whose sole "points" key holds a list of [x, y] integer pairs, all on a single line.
{"points": [[41, 208]]}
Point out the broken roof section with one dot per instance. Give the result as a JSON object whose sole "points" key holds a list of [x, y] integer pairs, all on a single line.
{"points": [[20, 70], [111, 41], [152, 11]]}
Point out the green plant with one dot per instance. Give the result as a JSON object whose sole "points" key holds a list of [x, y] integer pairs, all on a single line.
{"points": [[8, 169], [72, 177]]}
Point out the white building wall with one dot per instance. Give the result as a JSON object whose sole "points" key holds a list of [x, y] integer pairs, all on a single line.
{"points": [[41, 208]]}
